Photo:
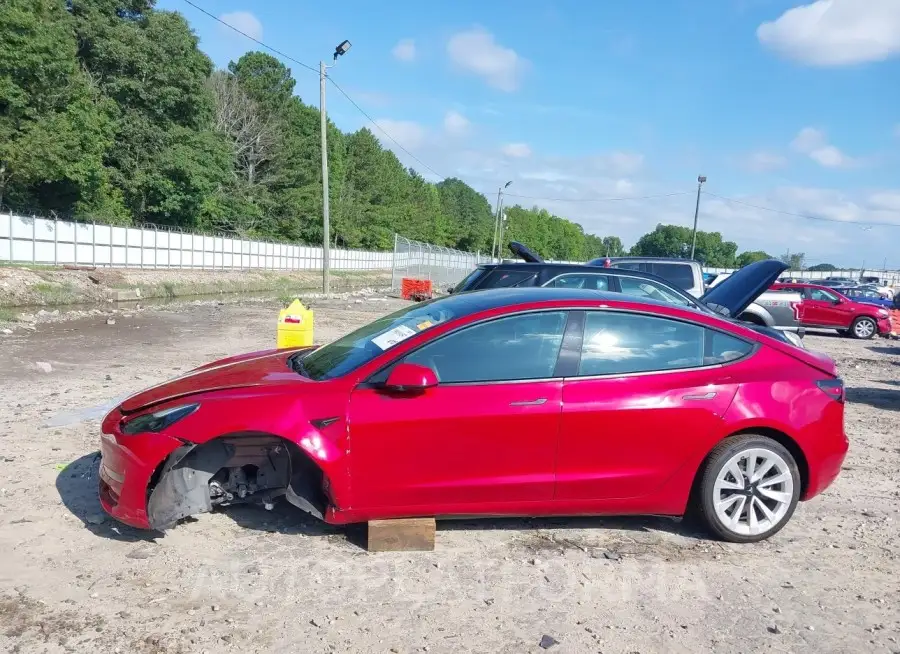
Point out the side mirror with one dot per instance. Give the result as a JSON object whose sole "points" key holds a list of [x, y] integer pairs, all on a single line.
{"points": [[410, 378], [836, 300]]}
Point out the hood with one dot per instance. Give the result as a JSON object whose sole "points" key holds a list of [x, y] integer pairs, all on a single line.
{"points": [[743, 286], [254, 369], [525, 253]]}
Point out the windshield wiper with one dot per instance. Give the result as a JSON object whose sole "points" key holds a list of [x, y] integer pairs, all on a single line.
{"points": [[298, 366]]}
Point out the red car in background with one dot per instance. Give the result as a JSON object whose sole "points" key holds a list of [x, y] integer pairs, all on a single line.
{"points": [[535, 401], [826, 308]]}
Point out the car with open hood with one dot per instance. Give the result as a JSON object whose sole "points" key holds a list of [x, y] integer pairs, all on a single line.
{"points": [[536, 401], [732, 300]]}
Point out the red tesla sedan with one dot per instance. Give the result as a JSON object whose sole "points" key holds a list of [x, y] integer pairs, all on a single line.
{"points": [[501, 402]]}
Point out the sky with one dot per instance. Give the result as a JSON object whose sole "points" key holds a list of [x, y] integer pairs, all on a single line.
{"points": [[786, 108]]}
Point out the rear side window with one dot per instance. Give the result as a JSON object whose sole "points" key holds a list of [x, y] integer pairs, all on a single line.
{"points": [[507, 278], [645, 288], [470, 281], [681, 275], [678, 274], [576, 280], [621, 343]]}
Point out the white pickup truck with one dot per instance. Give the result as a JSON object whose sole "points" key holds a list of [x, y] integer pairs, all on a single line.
{"points": [[771, 309]]}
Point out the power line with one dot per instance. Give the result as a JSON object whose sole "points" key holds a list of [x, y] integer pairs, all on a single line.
{"points": [[257, 41], [801, 215], [385, 132], [610, 199]]}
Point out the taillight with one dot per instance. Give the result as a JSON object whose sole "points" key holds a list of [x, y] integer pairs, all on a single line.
{"points": [[833, 388]]}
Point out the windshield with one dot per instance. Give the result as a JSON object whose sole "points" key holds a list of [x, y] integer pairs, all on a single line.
{"points": [[358, 348]]}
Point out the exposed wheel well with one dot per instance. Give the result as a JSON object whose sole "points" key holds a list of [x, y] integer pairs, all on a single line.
{"points": [[752, 318], [780, 437], [233, 468]]}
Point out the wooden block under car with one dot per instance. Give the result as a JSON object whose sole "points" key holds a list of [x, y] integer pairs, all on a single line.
{"points": [[401, 535]]}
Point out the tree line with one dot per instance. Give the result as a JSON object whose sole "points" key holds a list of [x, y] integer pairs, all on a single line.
{"points": [[109, 111]]}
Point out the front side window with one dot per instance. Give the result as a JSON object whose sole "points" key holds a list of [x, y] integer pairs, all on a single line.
{"points": [[518, 347], [823, 296], [645, 288], [591, 282], [622, 343]]}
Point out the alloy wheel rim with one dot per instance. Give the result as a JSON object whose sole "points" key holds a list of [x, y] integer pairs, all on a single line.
{"points": [[864, 328], [753, 492]]}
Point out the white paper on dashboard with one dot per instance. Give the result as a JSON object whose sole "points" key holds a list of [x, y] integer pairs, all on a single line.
{"points": [[394, 336]]}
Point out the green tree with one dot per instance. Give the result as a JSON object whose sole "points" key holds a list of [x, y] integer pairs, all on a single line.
{"points": [[794, 260], [823, 267], [54, 126], [746, 258], [675, 241]]}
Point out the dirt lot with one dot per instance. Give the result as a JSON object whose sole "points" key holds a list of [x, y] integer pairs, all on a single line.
{"points": [[246, 580]]}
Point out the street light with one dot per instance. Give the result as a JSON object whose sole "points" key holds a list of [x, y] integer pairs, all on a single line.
{"points": [[342, 48], [700, 180], [496, 247]]}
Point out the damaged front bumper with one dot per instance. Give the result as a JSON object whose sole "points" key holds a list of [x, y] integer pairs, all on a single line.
{"points": [[127, 466], [153, 480]]}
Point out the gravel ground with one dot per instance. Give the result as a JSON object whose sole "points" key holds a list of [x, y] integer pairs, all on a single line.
{"points": [[248, 580]]}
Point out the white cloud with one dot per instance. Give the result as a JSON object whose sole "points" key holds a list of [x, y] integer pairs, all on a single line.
{"points": [[244, 21], [516, 150], [763, 161], [405, 50], [594, 191], [409, 134], [456, 124], [835, 32], [475, 51], [812, 142]]}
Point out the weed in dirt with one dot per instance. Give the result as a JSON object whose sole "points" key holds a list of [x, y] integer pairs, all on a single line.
{"points": [[8, 315], [168, 290], [53, 293]]}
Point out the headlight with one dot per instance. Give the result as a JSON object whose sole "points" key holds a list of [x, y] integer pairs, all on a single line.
{"points": [[156, 422], [883, 312]]}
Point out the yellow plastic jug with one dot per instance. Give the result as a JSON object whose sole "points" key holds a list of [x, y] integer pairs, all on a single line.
{"points": [[295, 326]]}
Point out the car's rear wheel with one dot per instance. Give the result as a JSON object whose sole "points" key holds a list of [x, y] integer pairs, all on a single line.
{"points": [[748, 489], [863, 328]]}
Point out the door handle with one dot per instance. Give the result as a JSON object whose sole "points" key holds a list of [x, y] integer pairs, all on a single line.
{"points": [[537, 402], [699, 396]]}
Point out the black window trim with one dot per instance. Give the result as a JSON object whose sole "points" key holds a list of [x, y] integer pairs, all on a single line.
{"points": [[707, 339], [570, 326]]}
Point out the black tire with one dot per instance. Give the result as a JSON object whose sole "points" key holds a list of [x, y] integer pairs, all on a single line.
{"points": [[703, 499], [860, 320], [843, 332]]}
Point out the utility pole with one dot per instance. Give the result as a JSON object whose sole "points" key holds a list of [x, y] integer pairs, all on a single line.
{"points": [[700, 181], [341, 49], [496, 247]]}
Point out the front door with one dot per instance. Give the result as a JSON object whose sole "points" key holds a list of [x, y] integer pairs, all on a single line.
{"points": [[487, 433], [826, 309], [648, 392]]}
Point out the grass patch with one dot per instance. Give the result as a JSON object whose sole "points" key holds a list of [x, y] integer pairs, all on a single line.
{"points": [[8, 315], [168, 290], [50, 293]]}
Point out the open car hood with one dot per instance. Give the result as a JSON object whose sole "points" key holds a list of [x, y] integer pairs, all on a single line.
{"points": [[525, 253], [743, 286]]}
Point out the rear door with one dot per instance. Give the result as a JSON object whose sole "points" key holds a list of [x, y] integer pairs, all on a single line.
{"points": [[648, 390], [487, 433]]}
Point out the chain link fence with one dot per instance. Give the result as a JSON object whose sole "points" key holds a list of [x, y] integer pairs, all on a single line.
{"points": [[445, 267]]}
